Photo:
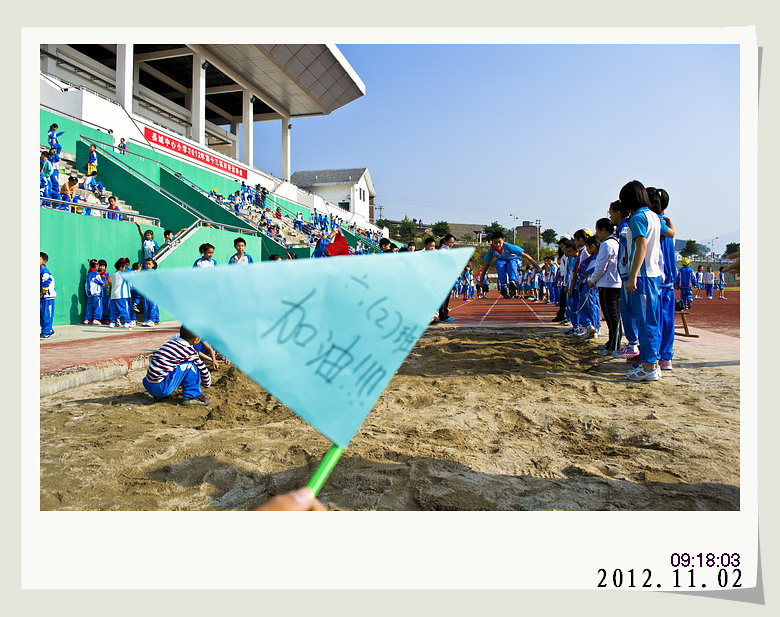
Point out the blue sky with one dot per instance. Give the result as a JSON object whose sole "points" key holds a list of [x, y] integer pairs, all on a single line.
{"points": [[475, 133]]}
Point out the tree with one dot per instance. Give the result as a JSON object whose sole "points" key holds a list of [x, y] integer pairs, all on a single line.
{"points": [[469, 238], [690, 249], [731, 247], [441, 228], [407, 230], [393, 230], [550, 236], [494, 227]]}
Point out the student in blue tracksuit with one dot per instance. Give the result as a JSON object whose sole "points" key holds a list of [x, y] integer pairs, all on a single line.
{"points": [[53, 138], [685, 282], [659, 202], [94, 287], [106, 296], [721, 283], [48, 293], [508, 258], [643, 286], [151, 310], [575, 300], [620, 217], [590, 311], [120, 297]]}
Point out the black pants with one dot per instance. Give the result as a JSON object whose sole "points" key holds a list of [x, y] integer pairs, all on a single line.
{"points": [[444, 311], [609, 297], [561, 314]]}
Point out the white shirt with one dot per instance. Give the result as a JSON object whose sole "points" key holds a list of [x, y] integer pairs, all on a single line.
{"points": [[605, 273]]}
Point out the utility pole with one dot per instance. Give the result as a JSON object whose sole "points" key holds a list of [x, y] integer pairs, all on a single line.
{"points": [[514, 229], [538, 237], [380, 208]]}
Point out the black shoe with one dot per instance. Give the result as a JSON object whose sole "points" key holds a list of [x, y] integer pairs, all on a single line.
{"points": [[504, 292], [512, 288], [556, 319]]}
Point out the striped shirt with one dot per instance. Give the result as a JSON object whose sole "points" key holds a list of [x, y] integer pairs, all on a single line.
{"points": [[170, 355]]}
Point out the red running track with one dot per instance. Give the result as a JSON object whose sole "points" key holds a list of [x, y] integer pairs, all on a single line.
{"points": [[721, 316]]}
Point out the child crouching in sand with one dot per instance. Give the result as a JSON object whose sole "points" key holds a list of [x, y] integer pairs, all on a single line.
{"points": [[176, 364]]}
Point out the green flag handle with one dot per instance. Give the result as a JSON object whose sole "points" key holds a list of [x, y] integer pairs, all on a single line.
{"points": [[327, 464]]}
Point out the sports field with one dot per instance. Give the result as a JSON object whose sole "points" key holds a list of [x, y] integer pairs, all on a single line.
{"points": [[498, 410]]}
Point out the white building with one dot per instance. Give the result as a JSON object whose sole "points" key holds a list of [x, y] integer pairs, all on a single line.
{"points": [[350, 189]]}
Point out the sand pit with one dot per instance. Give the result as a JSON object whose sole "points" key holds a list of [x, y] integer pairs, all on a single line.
{"points": [[475, 419]]}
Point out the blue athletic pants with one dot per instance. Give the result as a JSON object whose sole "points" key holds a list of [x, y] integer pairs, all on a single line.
{"points": [[185, 375], [627, 317], [507, 271], [667, 322], [47, 315], [94, 308], [646, 305]]}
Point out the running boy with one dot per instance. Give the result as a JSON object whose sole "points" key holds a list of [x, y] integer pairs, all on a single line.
{"points": [[508, 258]]}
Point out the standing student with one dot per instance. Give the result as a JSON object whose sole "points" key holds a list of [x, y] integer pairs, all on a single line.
{"points": [[120, 309], [106, 296], [53, 138], [721, 284], [508, 258], [590, 310], [240, 256], [92, 161], [151, 310], [206, 259], [94, 286], [122, 146], [685, 282], [699, 281], [659, 203], [148, 243], [643, 286], [446, 243], [576, 303], [606, 280], [709, 282], [620, 216], [48, 294]]}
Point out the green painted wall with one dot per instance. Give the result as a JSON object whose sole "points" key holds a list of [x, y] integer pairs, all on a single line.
{"points": [[72, 131], [69, 240]]}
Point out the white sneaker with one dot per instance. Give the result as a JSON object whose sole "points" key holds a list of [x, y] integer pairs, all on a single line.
{"points": [[640, 374], [580, 331], [590, 332], [86, 322], [112, 325]]}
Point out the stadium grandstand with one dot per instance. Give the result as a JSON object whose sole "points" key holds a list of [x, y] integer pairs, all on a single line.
{"points": [[168, 129]]}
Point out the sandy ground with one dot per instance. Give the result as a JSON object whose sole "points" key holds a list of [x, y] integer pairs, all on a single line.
{"points": [[475, 419]]}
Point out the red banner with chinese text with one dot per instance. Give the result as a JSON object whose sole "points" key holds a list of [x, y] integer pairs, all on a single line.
{"points": [[160, 139]]}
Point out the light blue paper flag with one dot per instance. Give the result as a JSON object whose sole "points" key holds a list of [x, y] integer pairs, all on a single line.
{"points": [[324, 336]]}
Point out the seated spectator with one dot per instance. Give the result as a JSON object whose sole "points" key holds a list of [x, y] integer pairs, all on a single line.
{"points": [[92, 185], [68, 191]]}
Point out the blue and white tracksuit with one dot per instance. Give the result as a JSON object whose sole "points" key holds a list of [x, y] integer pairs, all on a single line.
{"points": [[47, 301], [685, 282], [120, 299], [53, 142], [624, 267], [588, 297], [94, 289], [668, 299], [507, 263], [646, 299]]}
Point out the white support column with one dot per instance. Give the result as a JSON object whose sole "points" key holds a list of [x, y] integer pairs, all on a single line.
{"points": [[247, 125], [124, 76], [286, 148], [198, 107]]}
